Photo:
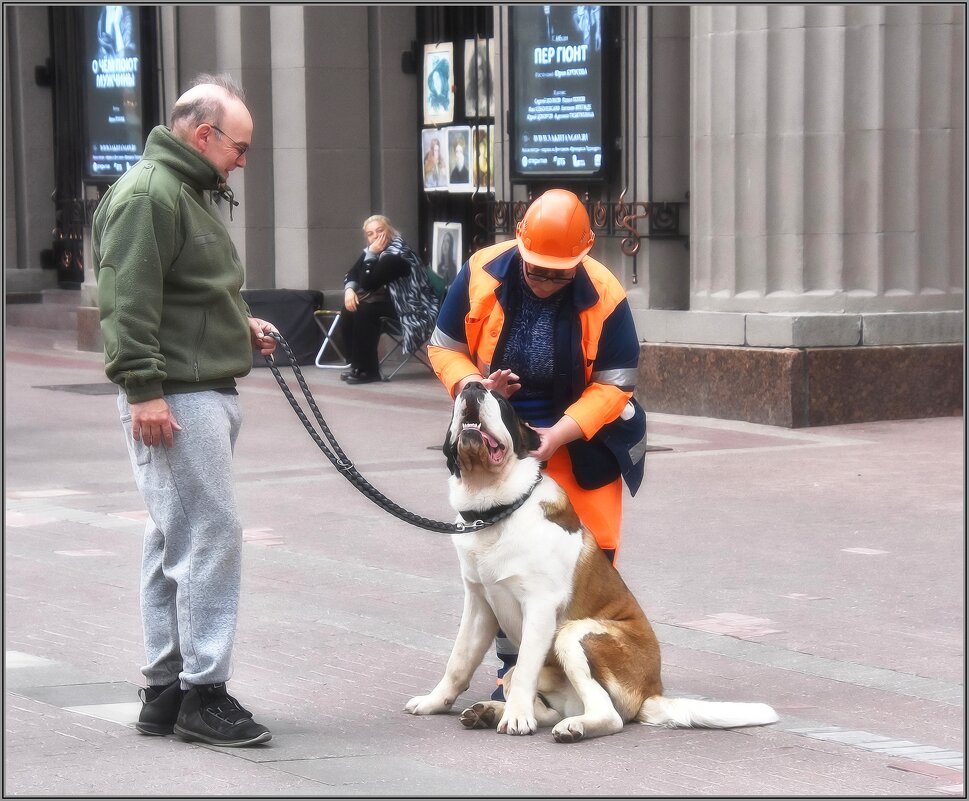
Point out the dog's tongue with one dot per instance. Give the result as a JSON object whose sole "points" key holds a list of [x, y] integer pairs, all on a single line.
{"points": [[490, 440]]}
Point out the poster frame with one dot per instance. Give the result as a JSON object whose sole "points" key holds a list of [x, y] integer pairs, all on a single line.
{"points": [[455, 229], [434, 56], [608, 102], [472, 47], [432, 183], [462, 134], [135, 102], [489, 135]]}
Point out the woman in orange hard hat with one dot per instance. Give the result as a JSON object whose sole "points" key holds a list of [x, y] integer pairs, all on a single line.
{"points": [[547, 326]]}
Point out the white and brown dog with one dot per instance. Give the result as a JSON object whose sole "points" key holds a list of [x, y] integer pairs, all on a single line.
{"points": [[588, 660]]}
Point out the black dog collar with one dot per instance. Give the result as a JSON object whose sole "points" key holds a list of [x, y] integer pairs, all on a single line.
{"points": [[496, 513], [487, 515]]}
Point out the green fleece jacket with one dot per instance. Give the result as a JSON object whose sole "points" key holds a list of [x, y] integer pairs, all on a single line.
{"points": [[169, 277]]}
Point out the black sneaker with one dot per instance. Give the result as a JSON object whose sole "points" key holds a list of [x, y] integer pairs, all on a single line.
{"points": [[211, 715], [159, 708]]}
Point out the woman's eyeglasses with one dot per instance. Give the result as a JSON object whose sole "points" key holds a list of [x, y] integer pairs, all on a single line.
{"points": [[543, 278], [240, 149]]}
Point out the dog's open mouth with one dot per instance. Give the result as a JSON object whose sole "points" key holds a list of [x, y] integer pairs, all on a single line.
{"points": [[496, 450]]}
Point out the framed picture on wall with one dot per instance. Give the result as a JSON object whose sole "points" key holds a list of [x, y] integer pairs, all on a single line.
{"points": [[483, 158], [459, 158], [438, 83], [479, 94], [446, 252], [434, 159]]}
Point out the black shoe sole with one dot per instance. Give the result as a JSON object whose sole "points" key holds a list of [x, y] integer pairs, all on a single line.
{"points": [[185, 734], [155, 729]]}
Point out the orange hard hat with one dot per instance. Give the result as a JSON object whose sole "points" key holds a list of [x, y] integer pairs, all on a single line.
{"points": [[555, 232]]}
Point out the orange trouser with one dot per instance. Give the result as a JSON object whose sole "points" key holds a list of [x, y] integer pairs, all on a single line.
{"points": [[600, 510]]}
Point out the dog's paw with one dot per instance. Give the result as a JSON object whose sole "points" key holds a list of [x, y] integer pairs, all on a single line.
{"points": [[569, 730], [427, 705], [483, 715], [517, 721]]}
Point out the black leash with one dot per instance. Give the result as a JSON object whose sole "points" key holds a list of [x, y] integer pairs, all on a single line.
{"points": [[342, 463]]}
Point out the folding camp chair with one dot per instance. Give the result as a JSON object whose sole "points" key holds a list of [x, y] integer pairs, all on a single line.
{"points": [[390, 327], [328, 320]]}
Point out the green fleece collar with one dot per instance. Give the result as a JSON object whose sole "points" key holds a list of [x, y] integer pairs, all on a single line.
{"points": [[190, 165]]}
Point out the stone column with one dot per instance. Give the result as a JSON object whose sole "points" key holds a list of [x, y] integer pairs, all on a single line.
{"points": [[827, 218], [322, 169], [289, 154], [215, 39], [664, 127], [828, 159], [28, 145], [228, 46]]}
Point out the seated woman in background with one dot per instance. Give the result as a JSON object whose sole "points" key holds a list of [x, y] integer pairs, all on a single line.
{"points": [[388, 280]]}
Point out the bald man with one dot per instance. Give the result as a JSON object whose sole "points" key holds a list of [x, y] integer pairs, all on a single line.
{"points": [[177, 335]]}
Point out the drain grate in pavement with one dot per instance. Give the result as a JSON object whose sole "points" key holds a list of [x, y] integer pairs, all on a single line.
{"points": [[83, 389]]}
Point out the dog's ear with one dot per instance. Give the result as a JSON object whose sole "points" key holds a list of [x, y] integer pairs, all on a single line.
{"points": [[451, 454], [530, 438]]}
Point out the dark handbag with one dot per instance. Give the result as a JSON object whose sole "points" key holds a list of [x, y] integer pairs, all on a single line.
{"points": [[617, 449]]}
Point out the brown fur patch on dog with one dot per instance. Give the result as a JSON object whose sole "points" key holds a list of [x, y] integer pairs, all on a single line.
{"points": [[561, 513], [626, 661]]}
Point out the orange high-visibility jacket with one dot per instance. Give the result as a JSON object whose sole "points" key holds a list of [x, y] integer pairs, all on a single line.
{"points": [[471, 323]]}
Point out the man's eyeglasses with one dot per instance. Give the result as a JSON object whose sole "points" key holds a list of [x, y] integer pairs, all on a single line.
{"points": [[240, 149], [546, 278]]}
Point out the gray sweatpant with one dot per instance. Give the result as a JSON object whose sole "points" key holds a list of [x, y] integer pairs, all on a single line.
{"points": [[192, 562]]}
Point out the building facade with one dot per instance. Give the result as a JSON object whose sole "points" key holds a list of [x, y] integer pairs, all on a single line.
{"points": [[785, 203]]}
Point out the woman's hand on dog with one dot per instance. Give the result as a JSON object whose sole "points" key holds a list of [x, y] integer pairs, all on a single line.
{"points": [[564, 431], [504, 382]]}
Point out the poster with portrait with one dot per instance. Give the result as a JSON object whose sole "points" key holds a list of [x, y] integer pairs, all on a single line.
{"points": [[482, 162], [446, 252], [434, 159], [459, 158], [438, 83], [479, 91], [113, 89]]}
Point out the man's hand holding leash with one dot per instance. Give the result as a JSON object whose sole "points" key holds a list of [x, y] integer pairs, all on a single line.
{"points": [[261, 336]]}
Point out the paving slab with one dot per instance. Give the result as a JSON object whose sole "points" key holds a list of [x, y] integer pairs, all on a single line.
{"points": [[818, 570]]}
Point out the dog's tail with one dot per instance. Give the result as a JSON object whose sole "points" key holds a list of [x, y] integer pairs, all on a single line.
{"points": [[687, 713]]}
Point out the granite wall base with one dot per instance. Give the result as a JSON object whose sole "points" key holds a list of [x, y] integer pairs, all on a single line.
{"points": [[801, 387]]}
